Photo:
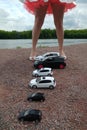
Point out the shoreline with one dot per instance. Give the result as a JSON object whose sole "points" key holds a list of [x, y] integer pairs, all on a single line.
{"points": [[43, 46], [65, 107], [26, 43]]}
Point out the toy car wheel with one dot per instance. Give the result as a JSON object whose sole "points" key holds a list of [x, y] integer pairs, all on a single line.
{"points": [[21, 119], [49, 74], [40, 66], [36, 75], [51, 86], [37, 121], [61, 66], [34, 86], [42, 100], [30, 100]]}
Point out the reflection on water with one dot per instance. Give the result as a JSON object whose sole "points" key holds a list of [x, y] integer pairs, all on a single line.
{"points": [[26, 43]]}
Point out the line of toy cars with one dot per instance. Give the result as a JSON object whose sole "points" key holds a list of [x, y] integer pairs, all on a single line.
{"points": [[44, 79], [32, 114], [44, 65]]}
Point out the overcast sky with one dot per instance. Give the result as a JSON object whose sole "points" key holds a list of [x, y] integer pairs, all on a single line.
{"points": [[13, 16]]}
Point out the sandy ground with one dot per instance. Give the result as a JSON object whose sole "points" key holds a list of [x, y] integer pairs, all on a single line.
{"points": [[65, 107]]}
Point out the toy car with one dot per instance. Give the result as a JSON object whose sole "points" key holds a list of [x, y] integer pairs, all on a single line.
{"points": [[30, 115], [43, 82], [48, 54], [55, 62], [43, 72], [36, 97]]}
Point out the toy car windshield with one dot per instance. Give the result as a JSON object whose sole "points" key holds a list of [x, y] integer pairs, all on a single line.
{"points": [[33, 94], [38, 79], [26, 113]]}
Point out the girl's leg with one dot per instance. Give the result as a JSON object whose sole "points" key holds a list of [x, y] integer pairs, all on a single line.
{"points": [[58, 14], [39, 19]]}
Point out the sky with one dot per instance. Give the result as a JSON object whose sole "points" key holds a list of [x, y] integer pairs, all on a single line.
{"points": [[13, 16]]}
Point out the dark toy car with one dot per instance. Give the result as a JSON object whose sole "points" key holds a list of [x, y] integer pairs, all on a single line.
{"points": [[30, 115], [55, 62], [36, 97]]}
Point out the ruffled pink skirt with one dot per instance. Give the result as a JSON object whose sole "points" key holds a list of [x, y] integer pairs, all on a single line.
{"points": [[31, 5]]}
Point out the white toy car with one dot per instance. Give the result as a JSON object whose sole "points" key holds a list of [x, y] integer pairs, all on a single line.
{"points": [[42, 72], [43, 82], [48, 54]]}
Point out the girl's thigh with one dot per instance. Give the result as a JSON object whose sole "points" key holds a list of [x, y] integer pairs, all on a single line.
{"points": [[58, 10], [41, 11]]}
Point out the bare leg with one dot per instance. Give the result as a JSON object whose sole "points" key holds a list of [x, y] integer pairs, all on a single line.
{"points": [[58, 13], [39, 19]]}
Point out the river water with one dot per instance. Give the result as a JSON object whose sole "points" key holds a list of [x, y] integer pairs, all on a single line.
{"points": [[26, 43]]}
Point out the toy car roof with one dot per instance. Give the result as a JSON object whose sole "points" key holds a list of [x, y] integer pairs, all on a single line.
{"points": [[50, 53], [47, 77], [46, 68], [36, 93], [54, 57], [45, 54]]}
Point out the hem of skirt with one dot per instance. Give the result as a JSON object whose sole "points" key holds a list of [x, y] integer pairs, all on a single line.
{"points": [[69, 6]]}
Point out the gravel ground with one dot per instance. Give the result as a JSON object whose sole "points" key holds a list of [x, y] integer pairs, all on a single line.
{"points": [[65, 107]]}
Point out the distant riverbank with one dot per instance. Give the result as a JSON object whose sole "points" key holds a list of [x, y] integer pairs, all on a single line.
{"points": [[26, 43]]}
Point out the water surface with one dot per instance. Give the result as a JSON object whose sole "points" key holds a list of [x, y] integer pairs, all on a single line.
{"points": [[26, 43]]}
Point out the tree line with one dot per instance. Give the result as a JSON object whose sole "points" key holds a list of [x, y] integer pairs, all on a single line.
{"points": [[45, 34]]}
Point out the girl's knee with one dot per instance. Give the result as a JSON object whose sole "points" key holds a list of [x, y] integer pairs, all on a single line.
{"points": [[39, 21]]}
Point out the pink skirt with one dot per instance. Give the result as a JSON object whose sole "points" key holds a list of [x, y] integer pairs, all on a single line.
{"points": [[31, 5]]}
